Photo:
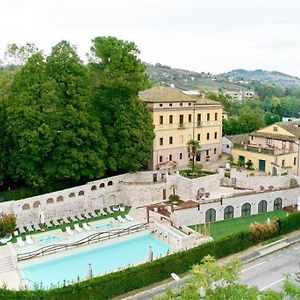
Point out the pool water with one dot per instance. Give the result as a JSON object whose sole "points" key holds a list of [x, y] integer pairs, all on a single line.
{"points": [[104, 226], [48, 239], [104, 258]]}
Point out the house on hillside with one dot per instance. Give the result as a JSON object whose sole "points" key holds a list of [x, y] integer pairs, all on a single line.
{"points": [[274, 149], [178, 118]]}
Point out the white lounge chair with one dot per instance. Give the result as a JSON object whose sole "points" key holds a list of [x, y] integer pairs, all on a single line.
{"points": [[86, 216], [55, 222], [72, 218], [122, 207], [69, 230], [93, 214], [86, 227], [36, 227], [6, 239], [30, 228], [108, 209], [29, 239], [48, 224], [22, 230], [16, 232], [77, 228], [66, 220], [116, 208], [103, 212], [121, 219], [20, 242], [129, 218], [79, 217]]}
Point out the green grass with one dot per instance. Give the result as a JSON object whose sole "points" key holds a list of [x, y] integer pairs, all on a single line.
{"points": [[220, 229], [63, 227]]}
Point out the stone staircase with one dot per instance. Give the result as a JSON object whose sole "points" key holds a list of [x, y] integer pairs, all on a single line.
{"points": [[6, 264]]}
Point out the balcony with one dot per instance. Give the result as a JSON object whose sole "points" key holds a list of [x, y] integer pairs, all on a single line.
{"points": [[254, 148]]}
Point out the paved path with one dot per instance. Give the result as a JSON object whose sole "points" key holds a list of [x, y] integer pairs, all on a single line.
{"points": [[263, 267]]}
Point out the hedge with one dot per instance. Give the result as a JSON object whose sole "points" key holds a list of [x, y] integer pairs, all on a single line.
{"points": [[118, 283]]}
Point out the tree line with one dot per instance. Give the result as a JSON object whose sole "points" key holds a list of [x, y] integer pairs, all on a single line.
{"points": [[249, 115], [65, 121]]}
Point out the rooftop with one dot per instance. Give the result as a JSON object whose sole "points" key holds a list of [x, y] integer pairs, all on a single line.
{"points": [[238, 138]]}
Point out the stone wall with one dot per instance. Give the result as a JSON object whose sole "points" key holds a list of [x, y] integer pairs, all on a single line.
{"points": [[196, 215]]}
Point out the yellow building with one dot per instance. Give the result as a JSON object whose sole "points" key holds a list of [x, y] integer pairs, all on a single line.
{"points": [[179, 118], [272, 149]]}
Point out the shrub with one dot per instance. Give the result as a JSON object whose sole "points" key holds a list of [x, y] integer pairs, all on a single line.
{"points": [[174, 198], [7, 224], [263, 231]]}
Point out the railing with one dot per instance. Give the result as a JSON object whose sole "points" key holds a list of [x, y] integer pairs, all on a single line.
{"points": [[96, 237], [163, 180]]}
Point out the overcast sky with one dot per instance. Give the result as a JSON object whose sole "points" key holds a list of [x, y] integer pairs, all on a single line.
{"points": [[201, 35]]}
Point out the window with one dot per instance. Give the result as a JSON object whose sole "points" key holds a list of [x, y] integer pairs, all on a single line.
{"points": [[207, 152], [262, 206], [198, 136], [110, 183], [81, 193], [170, 140], [269, 142], [190, 118], [161, 120], [170, 104], [71, 195], [190, 104], [283, 144], [160, 105], [208, 116], [170, 119], [216, 116], [93, 188], [181, 119], [275, 128], [50, 201], [215, 150], [216, 135], [283, 163], [161, 141], [160, 158], [246, 209], [207, 136], [180, 155], [181, 104], [278, 204], [210, 215], [198, 120], [251, 137], [102, 185], [170, 157], [295, 161], [228, 212], [59, 199]]}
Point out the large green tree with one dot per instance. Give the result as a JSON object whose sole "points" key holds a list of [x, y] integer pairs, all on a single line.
{"points": [[54, 137], [118, 76]]}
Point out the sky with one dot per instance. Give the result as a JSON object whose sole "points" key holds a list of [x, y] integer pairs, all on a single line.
{"points": [[201, 35]]}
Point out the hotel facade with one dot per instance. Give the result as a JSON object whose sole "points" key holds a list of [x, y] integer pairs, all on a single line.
{"points": [[179, 118]]}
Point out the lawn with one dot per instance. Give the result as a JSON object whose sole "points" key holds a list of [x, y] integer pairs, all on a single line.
{"points": [[220, 229]]}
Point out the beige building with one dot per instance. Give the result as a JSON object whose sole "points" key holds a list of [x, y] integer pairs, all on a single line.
{"points": [[179, 118], [272, 149]]}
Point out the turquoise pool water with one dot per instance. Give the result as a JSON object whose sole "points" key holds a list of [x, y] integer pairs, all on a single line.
{"points": [[105, 226], [103, 258], [48, 239]]}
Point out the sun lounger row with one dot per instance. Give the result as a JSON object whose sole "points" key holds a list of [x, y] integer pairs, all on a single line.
{"points": [[126, 219], [77, 228], [28, 240]]}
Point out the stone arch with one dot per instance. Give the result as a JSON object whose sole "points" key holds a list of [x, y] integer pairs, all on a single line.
{"points": [[36, 204], [60, 199], [275, 171], [210, 215], [94, 188], [102, 185], [262, 206], [25, 206], [50, 201], [246, 209], [71, 195], [277, 203], [81, 193], [228, 212], [110, 183]]}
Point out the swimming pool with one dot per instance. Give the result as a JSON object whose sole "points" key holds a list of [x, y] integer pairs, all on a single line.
{"points": [[176, 231], [103, 226], [103, 258], [48, 239]]}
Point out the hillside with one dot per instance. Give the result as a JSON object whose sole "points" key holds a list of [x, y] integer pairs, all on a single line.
{"points": [[269, 77], [234, 80]]}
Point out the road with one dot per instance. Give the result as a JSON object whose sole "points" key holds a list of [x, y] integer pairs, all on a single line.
{"points": [[267, 272]]}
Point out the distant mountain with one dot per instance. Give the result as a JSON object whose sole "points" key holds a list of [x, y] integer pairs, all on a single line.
{"points": [[234, 80], [269, 77]]}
